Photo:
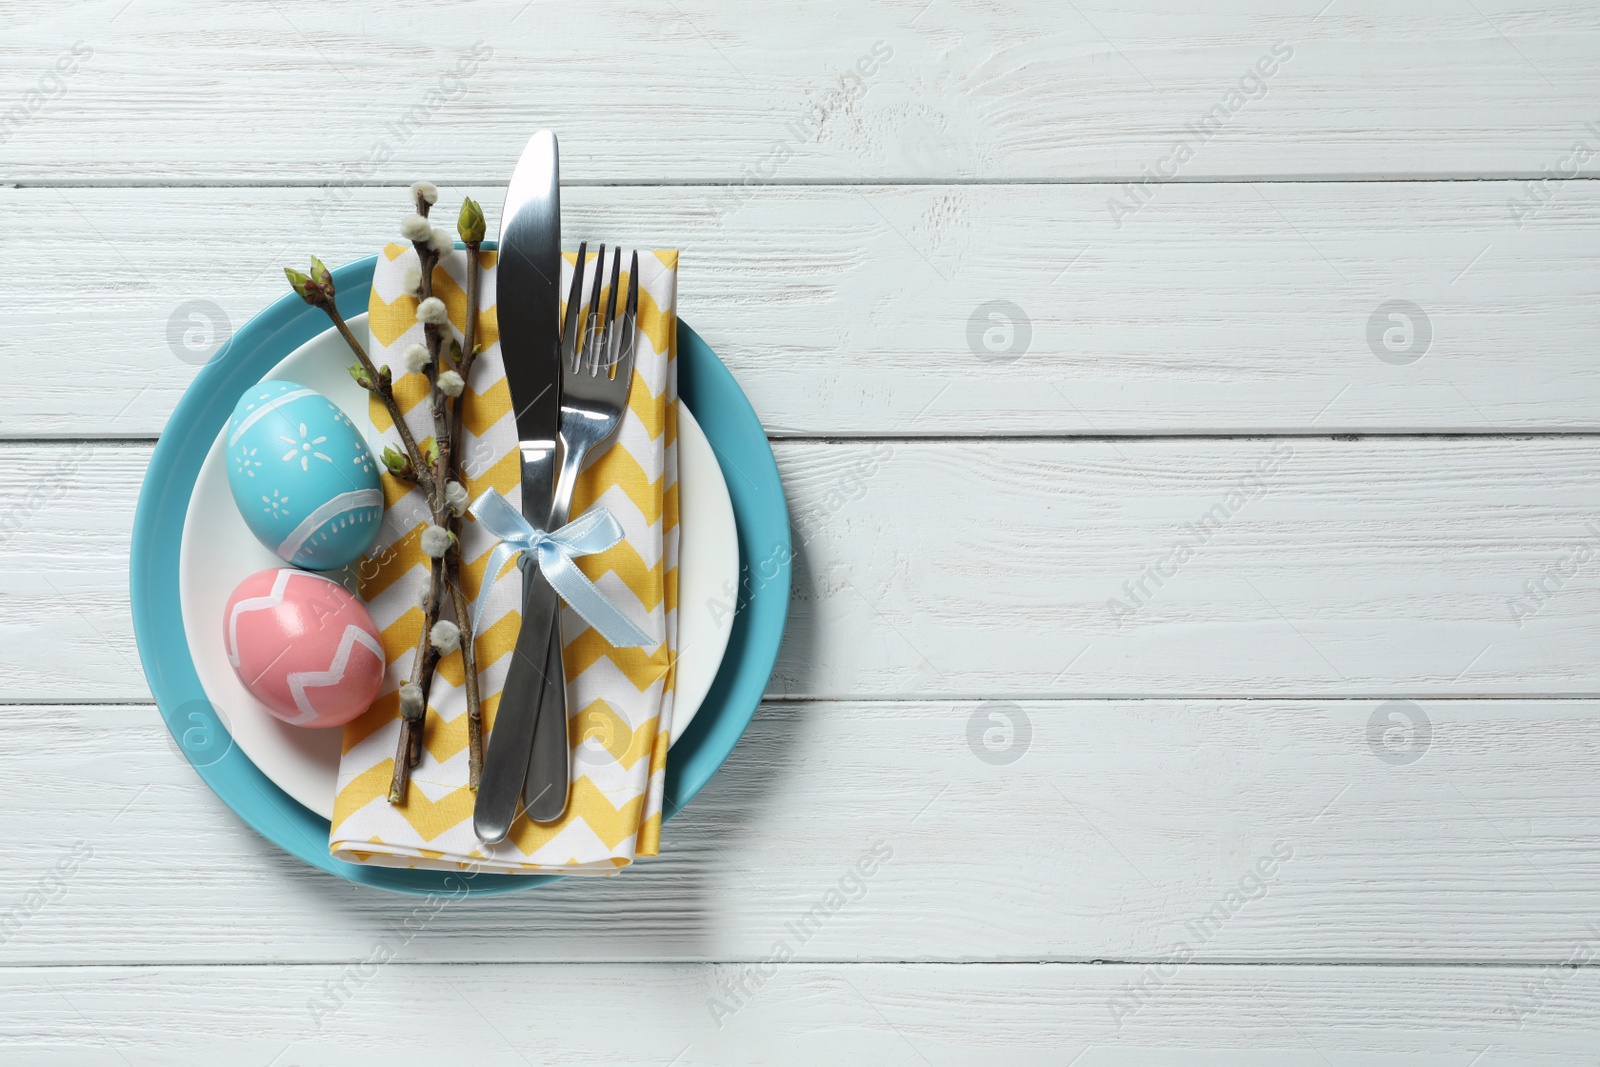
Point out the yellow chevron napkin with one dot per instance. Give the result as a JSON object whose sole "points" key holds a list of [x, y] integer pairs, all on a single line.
{"points": [[619, 700]]}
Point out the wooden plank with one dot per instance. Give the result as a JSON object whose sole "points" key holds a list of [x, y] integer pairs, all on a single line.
{"points": [[1363, 568], [1369, 567], [1217, 567], [1074, 831], [800, 1014], [841, 90], [1229, 308]]}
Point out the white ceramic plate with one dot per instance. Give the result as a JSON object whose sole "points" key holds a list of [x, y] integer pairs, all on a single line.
{"points": [[218, 551]]}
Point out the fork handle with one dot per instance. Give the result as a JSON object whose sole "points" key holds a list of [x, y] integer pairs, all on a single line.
{"points": [[566, 482]]}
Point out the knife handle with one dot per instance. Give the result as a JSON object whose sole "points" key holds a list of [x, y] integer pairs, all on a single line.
{"points": [[550, 771], [505, 764]]}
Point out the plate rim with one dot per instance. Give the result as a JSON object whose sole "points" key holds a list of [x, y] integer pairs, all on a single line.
{"points": [[729, 422]]}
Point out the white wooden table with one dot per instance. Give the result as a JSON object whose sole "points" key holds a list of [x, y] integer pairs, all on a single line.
{"points": [[1207, 643]]}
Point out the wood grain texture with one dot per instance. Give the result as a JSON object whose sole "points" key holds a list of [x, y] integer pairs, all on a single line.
{"points": [[1068, 831], [1287, 567], [801, 1014], [1230, 308], [707, 91], [1365, 567]]}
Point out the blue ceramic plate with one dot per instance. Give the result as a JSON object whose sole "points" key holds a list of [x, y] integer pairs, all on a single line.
{"points": [[758, 505]]}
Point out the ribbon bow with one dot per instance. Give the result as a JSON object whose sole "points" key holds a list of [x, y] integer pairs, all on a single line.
{"points": [[592, 532]]}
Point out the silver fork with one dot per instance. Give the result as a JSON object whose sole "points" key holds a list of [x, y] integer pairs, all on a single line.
{"points": [[596, 372]]}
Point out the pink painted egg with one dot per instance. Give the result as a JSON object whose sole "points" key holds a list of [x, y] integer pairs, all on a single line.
{"points": [[304, 646]]}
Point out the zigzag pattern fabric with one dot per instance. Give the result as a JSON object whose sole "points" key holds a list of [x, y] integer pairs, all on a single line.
{"points": [[619, 700]]}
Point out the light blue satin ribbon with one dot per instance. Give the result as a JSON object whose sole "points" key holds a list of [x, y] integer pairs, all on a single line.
{"points": [[593, 532]]}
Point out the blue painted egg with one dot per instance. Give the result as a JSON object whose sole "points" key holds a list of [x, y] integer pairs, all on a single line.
{"points": [[302, 476]]}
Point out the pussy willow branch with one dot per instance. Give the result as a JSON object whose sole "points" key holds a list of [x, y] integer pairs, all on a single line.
{"points": [[408, 746], [445, 572], [433, 478], [457, 435]]}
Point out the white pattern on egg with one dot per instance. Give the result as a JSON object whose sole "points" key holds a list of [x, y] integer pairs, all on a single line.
{"points": [[304, 448], [247, 461]]}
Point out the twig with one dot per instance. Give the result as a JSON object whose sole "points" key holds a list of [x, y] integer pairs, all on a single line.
{"points": [[469, 337], [469, 664], [471, 229]]}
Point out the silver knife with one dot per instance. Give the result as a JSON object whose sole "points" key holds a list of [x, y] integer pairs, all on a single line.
{"points": [[529, 308]]}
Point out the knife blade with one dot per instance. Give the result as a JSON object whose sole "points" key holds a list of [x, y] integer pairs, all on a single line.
{"points": [[529, 308]]}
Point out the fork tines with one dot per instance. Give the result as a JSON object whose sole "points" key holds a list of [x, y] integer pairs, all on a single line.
{"points": [[604, 342]]}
